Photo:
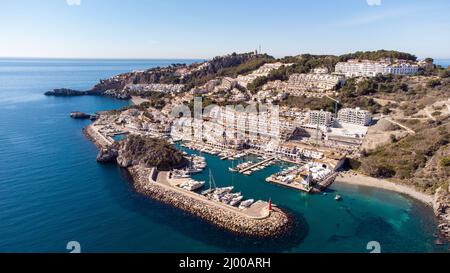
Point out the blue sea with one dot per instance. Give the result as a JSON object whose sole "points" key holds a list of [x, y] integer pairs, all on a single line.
{"points": [[52, 191], [443, 62]]}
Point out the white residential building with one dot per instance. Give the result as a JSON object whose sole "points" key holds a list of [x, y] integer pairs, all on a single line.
{"points": [[244, 80], [355, 68], [402, 69], [299, 84], [355, 116], [312, 82], [320, 70], [154, 87], [320, 118], [366, 68]]}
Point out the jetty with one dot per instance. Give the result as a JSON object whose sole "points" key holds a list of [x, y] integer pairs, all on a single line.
{"points": [[257, 164], [296, 186], [325, 183]]}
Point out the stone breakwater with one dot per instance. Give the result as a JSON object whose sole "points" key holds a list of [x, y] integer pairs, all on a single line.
{"points": [[275, 225]]}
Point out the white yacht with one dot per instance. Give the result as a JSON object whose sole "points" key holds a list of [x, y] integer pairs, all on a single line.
{"points": [[246, 204], [192, 185], [236, 200]]}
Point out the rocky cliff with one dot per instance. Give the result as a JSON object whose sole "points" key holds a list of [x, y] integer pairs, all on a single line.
{"points": [[137, 150], [442, 210]]}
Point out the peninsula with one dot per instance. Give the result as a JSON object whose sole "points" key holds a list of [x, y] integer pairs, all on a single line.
{"points": [[384, 115]]}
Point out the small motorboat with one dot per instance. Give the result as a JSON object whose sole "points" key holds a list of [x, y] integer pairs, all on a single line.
{"points": [[236, 200], [338, 198], [247, 203]]}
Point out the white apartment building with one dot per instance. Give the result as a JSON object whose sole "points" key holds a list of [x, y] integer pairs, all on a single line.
{"points": [[402, 69], [154, 87], [261, 125], [355, 116], [366, 68], [263, 71], [354, 68], [312, 82], [320, 118], [320, 70]]}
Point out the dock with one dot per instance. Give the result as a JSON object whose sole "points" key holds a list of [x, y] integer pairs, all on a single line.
{"points": [[325, 183], [227, 157], [257, 164], [296, 186]]}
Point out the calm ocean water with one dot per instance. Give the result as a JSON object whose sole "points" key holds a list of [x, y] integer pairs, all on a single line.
{"points": [[443, 62], [52, 191]]}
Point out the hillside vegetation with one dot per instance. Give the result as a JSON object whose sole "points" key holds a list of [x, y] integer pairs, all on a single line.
{"points": [[417, 159], [151, 152]]}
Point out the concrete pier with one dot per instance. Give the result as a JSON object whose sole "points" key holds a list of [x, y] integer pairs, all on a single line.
{"points": [[257, 165]]}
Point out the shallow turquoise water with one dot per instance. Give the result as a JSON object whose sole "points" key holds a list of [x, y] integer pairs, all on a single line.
{"points": [[52, 191]]}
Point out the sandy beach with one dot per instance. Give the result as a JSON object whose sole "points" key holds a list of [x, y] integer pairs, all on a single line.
{"points": [[362, 180]]}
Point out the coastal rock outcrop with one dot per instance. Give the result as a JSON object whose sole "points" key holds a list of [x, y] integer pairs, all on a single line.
{"points": [[80, 115], [107, 155], [149, 151], [442, 210], [124, 161], [64, 92]]}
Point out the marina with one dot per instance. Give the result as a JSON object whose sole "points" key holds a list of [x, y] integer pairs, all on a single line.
{"points": [[83, 189], [257, 166], [307, 176]]}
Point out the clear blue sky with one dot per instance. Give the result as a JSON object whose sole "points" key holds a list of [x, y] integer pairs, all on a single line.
{"points": [[206, 28]]}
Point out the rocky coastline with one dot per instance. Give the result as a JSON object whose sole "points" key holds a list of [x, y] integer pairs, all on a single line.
{"points": [[64, 92], [441, 206], [275, 225]]}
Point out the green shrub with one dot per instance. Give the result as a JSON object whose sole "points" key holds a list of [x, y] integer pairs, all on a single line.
{"points": [[445, 162], [433, 83]]}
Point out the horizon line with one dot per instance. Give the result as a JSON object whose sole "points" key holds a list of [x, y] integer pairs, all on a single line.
{"points": [[102, 58], [155, 58]]}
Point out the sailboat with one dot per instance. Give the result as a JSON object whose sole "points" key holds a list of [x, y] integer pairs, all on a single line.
{"points": [[232, 169], [212, 184]]}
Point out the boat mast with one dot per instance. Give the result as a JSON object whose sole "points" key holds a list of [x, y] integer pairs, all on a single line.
{"points": [[212, 182]]}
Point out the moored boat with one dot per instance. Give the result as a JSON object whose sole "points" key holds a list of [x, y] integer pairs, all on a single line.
{"points": [[236, 200], [246, 204]]}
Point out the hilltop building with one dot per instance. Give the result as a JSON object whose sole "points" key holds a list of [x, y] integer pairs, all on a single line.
{"points": [[366, 68]]}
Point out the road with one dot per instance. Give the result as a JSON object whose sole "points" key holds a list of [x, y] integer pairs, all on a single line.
{"points": [[401, 125]]}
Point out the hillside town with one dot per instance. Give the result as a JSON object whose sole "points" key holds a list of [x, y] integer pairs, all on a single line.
{"points": [[225, 115]]}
